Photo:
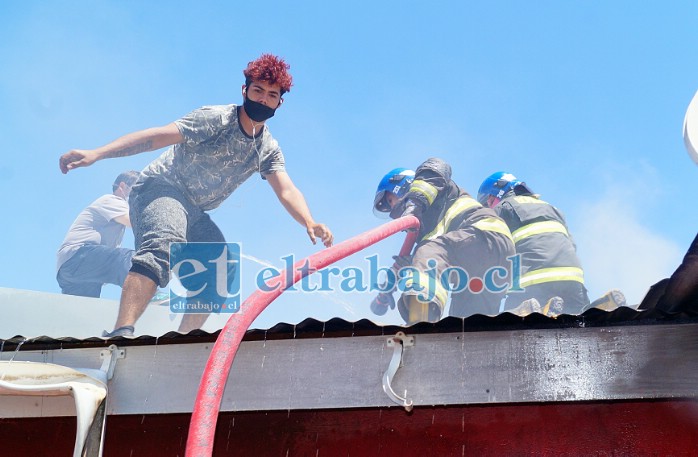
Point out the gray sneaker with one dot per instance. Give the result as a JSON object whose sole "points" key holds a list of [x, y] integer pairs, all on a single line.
{"points": [[125, 331]]}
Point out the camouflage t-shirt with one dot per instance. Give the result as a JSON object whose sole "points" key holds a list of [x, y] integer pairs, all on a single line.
{"points": [[216, 156]]}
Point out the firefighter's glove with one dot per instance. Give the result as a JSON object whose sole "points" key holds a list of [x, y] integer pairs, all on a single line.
{"points": [[381, 303], [406, 208], [401, 261], [412, 209]]}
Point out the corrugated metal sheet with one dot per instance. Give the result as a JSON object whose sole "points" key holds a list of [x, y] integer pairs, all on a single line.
{"points": [[312, 328]]}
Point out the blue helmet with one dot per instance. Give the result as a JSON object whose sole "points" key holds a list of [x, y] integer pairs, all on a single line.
{"points": [[396, 182], [497, 185]]}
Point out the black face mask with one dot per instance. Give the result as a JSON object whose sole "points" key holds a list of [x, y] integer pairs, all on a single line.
{"points": [[257, 111]]}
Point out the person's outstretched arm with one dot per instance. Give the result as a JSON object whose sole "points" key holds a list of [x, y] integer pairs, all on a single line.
{"points": [[293, 201], [128, 145]]}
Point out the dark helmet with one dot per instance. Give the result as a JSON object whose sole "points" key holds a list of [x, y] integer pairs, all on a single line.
{"points": [[396, 182]]}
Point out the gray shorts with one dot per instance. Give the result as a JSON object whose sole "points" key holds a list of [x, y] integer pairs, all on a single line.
{"points": [[92, 266], [160, 214]]}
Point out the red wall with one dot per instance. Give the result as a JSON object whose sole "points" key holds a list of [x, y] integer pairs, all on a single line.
{"points": [[641, 428]]}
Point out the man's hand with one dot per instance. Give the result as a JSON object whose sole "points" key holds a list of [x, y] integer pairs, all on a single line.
{"points": [[321, 231], [75, 159]]}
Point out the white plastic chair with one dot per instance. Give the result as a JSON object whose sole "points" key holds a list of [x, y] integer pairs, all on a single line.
{"points": [[87, 386]]}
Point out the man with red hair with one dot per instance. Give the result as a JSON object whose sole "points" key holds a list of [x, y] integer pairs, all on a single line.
{"points": [[214, 149]]}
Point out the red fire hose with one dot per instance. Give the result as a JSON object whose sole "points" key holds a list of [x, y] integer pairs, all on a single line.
{"points": [[202, 427]]}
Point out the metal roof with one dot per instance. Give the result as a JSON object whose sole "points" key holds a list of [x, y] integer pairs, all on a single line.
{"points": [[600, 355], [39, 318]]}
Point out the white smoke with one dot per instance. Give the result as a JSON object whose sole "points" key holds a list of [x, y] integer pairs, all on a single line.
{"points": [[618, 251]]}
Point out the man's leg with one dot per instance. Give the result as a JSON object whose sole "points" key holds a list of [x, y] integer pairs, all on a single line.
{"points": [[476, 252], [84, 273], [72, 283], [203, 230], [159, 217], [80, 289], [135, 295], [424, 299], [191, 322]]}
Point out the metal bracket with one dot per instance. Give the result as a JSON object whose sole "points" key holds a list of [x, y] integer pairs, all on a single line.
{"points": [[109, 357], [397, 342]]}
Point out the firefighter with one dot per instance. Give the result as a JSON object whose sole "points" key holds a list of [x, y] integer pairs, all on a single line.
{"points": [[461, 247], [551, 273]]}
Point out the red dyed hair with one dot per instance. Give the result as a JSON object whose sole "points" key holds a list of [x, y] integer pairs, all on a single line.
{"points": [[270, 69]]}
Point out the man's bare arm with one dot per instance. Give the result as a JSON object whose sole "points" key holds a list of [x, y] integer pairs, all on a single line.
{"points": [[293, 201], [123, 220], [128, 145]]}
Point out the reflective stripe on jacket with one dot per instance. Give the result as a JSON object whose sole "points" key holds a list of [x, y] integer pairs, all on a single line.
{"points": [[552, 274], [548, 253]]}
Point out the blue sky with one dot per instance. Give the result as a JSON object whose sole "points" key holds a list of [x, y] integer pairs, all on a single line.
{"points": [[583, 100]]}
